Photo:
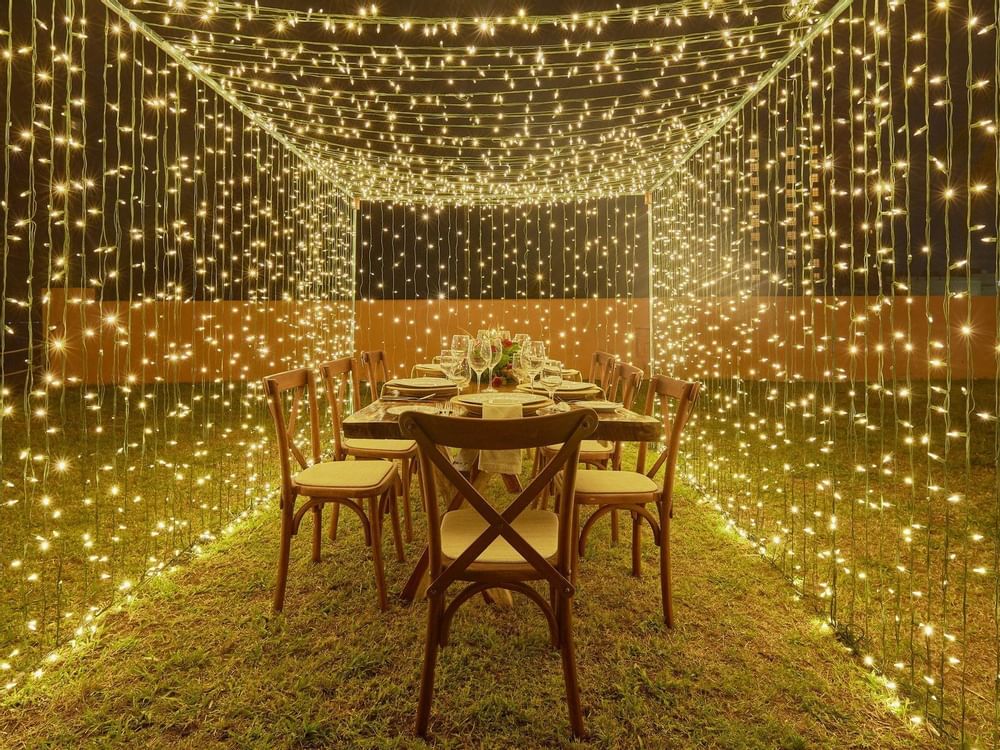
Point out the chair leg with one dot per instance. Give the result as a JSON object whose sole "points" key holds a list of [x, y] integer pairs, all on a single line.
{"points": [[334, 521], [614, 527], [375, 520], [284, 553], [435, 608], [568, 653], [397, 537], [636, 545], [406, 474], [317, 538], [575, 537], [554, 598], [541, 501], [665, 587]]}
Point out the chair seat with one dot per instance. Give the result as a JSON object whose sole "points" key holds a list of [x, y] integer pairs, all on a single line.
{"points": [[357, 477], [587, 447], [595, 483], [369, 445], [460, 528]]}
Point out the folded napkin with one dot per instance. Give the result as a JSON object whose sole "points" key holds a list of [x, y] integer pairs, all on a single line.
{"points": [[503, 461], [426, 368]]}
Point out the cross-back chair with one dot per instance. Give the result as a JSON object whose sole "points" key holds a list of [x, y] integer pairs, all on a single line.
{"points": [[340, 382], [376, 369], [633, 491], [341, 483], [602, 366], [487, 548], [599, 454]]}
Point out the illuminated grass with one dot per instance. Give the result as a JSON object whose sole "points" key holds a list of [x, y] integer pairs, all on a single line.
{"points": [[201, 663]]}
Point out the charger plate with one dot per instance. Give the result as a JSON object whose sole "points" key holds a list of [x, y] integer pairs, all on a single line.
{"points": [[473, 402]]}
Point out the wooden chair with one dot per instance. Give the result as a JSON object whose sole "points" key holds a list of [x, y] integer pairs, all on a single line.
{"points": [[633, 491], [602, 366], [376, 370], [492, 549], [321, 482], [599, 454], [339, 376]]}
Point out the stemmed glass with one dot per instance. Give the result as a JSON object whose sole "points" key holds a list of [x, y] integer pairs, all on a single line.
{"points": [[461, 342], [479, 357], [456, 368], [517, 364], [535, 358], [552, 377], [496, 354]]}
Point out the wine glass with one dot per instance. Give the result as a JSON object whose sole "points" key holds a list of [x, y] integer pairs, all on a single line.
{"points": [[517, 365], [445, 358], [504, 333], [535, 358], [479, 357], [551, 377], [461, 341], [496, 354], [456, 369]]}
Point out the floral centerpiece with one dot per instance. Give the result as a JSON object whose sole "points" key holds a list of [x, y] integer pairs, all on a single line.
{"points": [[503, 371]]}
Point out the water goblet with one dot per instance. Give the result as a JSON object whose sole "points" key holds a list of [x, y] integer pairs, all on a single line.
{"points": [[551, 377], [479, 357]]}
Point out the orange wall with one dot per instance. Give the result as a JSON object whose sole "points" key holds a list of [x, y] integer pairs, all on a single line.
{"points": [[411, 331], [164, 341], [808, 337], [754, 337]]}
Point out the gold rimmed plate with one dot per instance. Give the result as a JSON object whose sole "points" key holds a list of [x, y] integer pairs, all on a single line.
{"points": [[473, 402], [589, 390]]}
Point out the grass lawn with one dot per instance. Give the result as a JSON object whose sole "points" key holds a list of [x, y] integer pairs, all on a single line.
{"points": [[909, 570], [109, 487], [198, 661]]}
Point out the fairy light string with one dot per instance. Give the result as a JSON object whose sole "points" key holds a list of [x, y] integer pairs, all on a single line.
{"points": [[209, 190], [877, 361]]}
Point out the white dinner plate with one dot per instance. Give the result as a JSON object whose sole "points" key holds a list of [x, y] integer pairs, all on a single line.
{"points": [[428, 383], [422, 408], [603, 405], [501, 398], [569, 385]]}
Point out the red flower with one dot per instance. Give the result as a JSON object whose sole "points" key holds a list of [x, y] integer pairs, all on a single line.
{"points": [[497, 381], [507, 343]]}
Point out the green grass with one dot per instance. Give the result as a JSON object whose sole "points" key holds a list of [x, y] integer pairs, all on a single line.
{"points": [[198, 661], [139, 488], [950, 674]]}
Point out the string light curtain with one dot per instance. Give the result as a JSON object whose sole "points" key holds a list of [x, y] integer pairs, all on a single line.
{"points": [[161, 251], [826, 262], [574, 274], [516, 107]]}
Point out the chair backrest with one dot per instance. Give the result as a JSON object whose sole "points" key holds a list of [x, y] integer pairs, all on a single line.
{"points": [[602, 365], [340, 381], [626, 379], [290, 387], [376, 369], [676, 399], [431, 432]]}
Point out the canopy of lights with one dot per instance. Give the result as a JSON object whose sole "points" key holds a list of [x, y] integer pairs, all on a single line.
{"points": [[795, 203]]}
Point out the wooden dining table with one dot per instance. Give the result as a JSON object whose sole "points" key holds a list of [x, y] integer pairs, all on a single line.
{"points": [[375, 422]]}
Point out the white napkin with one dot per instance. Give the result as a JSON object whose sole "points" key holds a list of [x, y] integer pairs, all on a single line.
{"points": [[426, 368], [503, 461]]}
